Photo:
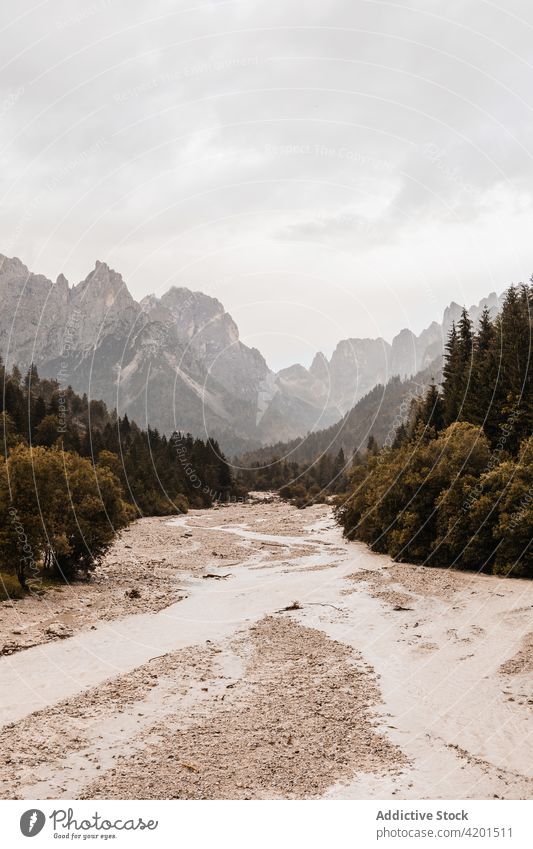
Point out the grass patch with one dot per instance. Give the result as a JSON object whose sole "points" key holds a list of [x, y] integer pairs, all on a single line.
{"points": [[38, 584], [10, 587]]}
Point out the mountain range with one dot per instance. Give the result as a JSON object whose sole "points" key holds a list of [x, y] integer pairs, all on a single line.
{"points": [[177, 362]]}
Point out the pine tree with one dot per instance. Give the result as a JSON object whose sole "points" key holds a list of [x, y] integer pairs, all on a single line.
{"points": [[479, 399], [465, 352], [339, 471], [432, 410], [400, 437], [372, 445], [451, 374], [513, 352], [31, 379], [39, 411], [14, 403]]}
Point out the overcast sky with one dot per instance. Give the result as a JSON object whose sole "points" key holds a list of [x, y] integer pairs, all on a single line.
{"points": [[325, 169]]}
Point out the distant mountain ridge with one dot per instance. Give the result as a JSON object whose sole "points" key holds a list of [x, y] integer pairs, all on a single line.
{"points": [[358, 365], [377, 414], [174, 361], [177, 361]]}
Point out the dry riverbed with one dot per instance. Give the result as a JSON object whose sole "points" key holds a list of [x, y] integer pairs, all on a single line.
{"points": [[207, 681]]}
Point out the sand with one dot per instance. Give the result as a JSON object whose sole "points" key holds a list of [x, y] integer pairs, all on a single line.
{"points": [[385, 681], [300, 717]]}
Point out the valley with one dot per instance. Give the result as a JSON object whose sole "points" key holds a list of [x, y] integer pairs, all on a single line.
{"points": [[176, 360]]}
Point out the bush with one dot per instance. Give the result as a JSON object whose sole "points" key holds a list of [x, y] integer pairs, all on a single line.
{"points": [[446, 501], [58, 512], [395, 500]]}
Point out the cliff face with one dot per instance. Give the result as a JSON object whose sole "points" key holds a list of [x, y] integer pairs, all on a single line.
{"points": [[33, 313], [171, 362], [177, 362], [358, 365]]}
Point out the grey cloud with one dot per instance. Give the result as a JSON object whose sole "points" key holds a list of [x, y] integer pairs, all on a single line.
{"points": [[205, 142]]}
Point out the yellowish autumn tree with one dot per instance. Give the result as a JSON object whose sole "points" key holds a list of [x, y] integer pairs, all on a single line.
{"points": [[57, 512]]}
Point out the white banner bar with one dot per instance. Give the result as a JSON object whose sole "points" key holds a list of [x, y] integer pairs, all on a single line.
{"points": [[269, 824]]}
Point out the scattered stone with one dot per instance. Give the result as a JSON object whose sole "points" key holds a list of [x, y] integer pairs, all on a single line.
{"points": [[10, 648], [57, 629]]}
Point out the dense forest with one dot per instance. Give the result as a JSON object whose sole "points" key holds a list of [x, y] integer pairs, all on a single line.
{"points": [[445, 478], [72, 473], [300, 483], [313, 468], [456, 486], [378, 414]]}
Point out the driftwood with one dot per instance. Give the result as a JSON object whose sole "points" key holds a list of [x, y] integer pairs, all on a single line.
{"points": [[297, 606], [216, 577], [294, 606]]}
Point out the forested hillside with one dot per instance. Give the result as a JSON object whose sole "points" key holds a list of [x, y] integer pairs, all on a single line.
{"points": [[314, 467], [456, 486], [378, 414], [72, 473]]}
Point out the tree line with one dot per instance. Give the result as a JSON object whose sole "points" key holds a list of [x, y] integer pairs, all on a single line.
{"points": [[314, 468], [302, 484], [455, 488], [377, 413], [73, 472]]}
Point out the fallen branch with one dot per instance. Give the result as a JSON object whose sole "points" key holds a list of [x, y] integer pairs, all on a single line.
{"points": [[13, 648], [294, 606], [399, 607], [216, 577], [297, 606]]}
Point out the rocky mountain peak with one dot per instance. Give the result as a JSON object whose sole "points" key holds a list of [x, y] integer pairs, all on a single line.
{"points": [[319, 368], [195, 312], [452, 314], [104, 285], [295, 372], [200, 320], [61, 284], [12, 266], [101, 306], [178, 358], [154, 310], [361, 351]]}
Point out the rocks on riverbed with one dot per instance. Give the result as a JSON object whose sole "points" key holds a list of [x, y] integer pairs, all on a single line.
{"points": [[59, 630]]}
